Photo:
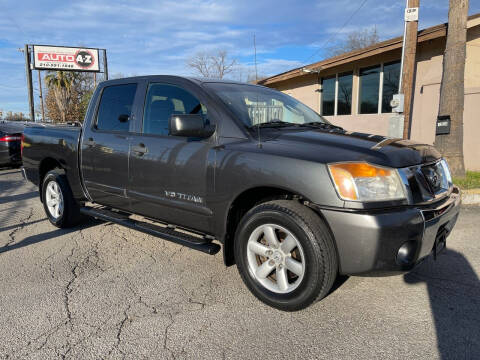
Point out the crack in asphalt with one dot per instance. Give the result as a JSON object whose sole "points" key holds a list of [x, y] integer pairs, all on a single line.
{"points": [[121, 325], [13, 233]]}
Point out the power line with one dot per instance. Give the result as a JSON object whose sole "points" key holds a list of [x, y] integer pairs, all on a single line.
{"points": [[335, 34]]}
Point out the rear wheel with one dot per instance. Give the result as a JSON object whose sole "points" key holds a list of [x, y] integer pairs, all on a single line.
{"points": [[61, 208], [285, 255]]}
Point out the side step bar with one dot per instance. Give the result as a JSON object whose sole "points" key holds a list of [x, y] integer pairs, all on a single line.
{"points": [[167, 233]]}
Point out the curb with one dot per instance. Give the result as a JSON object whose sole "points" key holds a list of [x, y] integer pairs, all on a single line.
{"points": [[471, 197]]}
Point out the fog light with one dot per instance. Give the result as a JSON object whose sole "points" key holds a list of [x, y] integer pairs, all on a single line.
{"points": [[406, 253]]}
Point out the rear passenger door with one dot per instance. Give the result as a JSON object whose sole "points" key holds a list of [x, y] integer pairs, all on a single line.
{"points": [[105, 146], [170, 176]]}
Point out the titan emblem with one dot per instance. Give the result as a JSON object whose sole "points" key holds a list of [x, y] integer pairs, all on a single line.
{"points": [[186, 197], [433, 178]]}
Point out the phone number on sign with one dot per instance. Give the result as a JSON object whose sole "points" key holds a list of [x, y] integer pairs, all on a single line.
{"points": [[56, 65]]}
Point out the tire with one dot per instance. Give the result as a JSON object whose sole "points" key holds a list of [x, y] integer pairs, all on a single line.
{"points": [[302, 238], [68, 214]]}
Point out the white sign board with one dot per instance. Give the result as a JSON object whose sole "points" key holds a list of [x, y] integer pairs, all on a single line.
{"points": [[65, 58], [411, 14]]}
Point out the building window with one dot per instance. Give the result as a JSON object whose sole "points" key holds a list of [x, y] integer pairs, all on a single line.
{"points": [[337, 95], [344, 98], [369, 88], [378, 84], [391, 76], [328, 96]]}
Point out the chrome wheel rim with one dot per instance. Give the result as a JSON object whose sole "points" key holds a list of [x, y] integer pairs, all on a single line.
{"points": [[276, 258], [54, 200]]}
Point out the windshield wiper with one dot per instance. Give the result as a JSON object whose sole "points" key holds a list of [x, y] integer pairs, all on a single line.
{"points": [[324, 125], [273, 124]]}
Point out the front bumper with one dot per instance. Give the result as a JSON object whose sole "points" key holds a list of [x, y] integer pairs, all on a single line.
{"points": [[368, 242]]}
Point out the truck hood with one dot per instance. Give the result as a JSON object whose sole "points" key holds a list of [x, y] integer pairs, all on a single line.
{"points": [[335, 146]]}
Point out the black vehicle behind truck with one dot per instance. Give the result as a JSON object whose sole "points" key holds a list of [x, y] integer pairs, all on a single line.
{"points": [[293, 200], [11, 143]]}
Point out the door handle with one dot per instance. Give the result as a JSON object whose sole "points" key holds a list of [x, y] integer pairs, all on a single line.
{"points": [[140, 149], [90, 142]]}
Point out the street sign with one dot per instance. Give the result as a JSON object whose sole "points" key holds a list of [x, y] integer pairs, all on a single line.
{"points": [[411, 14], [65, 58]]}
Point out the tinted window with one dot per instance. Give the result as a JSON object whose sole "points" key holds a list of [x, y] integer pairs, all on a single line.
{"points": [[116, 103], [369, 86], [162, 102], [345, 94], [328, 96], [391, 76]]}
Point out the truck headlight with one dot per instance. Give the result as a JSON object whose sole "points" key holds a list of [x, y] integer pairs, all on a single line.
{"points": [[366, 182], [447, 173]]}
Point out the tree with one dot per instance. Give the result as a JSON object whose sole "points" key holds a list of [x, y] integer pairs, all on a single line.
{"points": [[355, 40], [215, 65], [61, 83], [452, 90], [11, 116], [80, 91]]}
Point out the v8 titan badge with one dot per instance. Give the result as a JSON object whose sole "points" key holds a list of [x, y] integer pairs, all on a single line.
{"points": [[84, 59]]}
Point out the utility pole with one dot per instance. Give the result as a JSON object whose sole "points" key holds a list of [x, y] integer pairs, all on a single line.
{"points": [[28, 73], [452, 90], [41, 95], [105, 64], [408, 63]]}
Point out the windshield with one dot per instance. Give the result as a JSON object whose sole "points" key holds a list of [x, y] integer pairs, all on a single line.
{"points": [[255, 105]]}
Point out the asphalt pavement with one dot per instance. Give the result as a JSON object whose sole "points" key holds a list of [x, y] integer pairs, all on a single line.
{"points": [[103, 291]]}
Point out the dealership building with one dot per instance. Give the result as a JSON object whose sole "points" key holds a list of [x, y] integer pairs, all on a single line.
{"points": [[354, 89]]}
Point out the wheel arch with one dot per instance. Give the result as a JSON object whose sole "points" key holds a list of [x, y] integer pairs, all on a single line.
{"points": [[240, 206], [46, 165]]}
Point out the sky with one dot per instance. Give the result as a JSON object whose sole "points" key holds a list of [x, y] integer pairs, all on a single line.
{"points": [[158, 37]]}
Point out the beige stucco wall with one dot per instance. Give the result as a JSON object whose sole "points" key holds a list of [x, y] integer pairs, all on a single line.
{"points": [[471, 115], [305, 89], [426, 95], [471, 129]]}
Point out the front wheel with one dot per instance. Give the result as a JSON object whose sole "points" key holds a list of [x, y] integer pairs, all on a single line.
{"points": [[60, 206], [285, 255]]}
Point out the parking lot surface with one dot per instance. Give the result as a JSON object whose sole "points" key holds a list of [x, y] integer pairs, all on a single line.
{"points": [[103, 291]]}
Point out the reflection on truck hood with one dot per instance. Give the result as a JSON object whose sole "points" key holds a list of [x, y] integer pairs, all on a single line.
{"points": [[332, 146]]}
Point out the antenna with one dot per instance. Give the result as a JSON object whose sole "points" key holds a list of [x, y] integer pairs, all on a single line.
{"points": [[255, 50], [256, 80]]}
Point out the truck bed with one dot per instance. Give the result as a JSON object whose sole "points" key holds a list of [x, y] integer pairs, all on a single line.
{"points": [[46, 143]]}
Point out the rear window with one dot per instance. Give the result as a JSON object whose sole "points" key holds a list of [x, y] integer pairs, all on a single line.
{"points": [[115, 107]]}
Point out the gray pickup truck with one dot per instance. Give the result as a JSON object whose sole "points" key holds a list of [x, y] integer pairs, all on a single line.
{"points": [[292, 199]]}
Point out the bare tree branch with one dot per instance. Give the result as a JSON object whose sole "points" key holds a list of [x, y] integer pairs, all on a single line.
{"points": [[355, 40], [215, 65]]}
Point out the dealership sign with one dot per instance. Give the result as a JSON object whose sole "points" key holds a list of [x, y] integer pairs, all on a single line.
{"points": [[65, 58]]}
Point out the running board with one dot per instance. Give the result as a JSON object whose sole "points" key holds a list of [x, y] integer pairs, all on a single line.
{"points": [[168, 232]]}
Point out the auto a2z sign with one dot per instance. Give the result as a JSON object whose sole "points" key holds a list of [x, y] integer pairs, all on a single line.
{"points": [[65, 58]]}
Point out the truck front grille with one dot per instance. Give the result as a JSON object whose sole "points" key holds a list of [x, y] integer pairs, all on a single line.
{"points": [[427, 182]]}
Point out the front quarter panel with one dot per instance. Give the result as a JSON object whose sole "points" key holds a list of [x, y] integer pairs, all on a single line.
{"points": [[244, 165]]}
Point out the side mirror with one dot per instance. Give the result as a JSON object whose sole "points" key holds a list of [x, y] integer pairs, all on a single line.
{"points": [[191, 125], [123, 118]]}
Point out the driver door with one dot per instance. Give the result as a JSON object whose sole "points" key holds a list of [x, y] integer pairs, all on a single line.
{"points": [[171, 176]]}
